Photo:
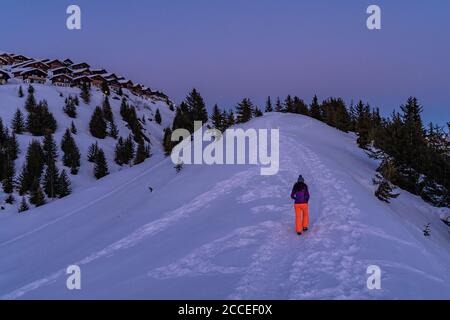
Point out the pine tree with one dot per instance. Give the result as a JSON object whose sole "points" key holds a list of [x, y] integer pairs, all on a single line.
{"points": [[64, 188], [92, 152], [33, 168], [105, 88], [179, 166], [23, 205], [12, 147], [196, 105], [363, 124], [70, 108], [289, 105], [269, 107], [71, 157], [217, 118], [51, 179], [230, 119], [427, 230], [107, 111], [37, 196], [101, 166], [8, 181], [167, 141], [10, 199], [315, 110], [85, 93], [119, 153], [40, 119], [30, 102], [244, 111], [386, 174], [73, 129], [158, 117], [129, 149], [21, 92], [142, 152], [97, 125], [257, 112], [299, 106], [18, 122], [279, 106], [49, 149], [113, 132]]}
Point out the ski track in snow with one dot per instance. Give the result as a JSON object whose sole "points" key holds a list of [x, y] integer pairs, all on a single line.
{"points": [[150, 229]]}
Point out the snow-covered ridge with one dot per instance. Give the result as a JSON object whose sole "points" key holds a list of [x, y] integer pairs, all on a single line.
{"points": [[213, 232]]}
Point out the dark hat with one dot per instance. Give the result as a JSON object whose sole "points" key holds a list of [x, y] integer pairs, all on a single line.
{"points": [[300, 178]]}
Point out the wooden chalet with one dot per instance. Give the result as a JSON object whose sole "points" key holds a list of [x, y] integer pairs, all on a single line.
{"points": [[17, 58], [63, 70], [3, 62], [99, 71], [113, 84], [7, 58], [68, 62], [97, 80], [81, 72], [147, 92], [126, 84], [37, 65], [137, 90], [110, 76], [4, 77], [82, 65], [33, 75], [61, 80], [78, 82], [55, 64]]}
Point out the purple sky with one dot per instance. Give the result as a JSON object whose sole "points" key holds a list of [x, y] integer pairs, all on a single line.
{"points": [[231, 49]]}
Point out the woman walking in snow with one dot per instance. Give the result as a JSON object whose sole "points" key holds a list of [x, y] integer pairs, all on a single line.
{"points": [[300, 194]]}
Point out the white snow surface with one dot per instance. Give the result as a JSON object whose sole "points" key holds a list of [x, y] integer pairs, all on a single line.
{"points": [[226, 232]]}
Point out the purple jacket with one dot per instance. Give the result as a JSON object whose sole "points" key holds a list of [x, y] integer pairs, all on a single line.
{"points": [[300, 193]]}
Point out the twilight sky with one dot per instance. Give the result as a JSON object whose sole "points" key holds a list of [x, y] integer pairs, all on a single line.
{"points": [[230, 49]]}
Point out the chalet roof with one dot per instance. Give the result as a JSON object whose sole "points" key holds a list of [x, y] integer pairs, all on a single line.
{"points": [[110, 75], [61, 75], [68, 61], [125, 81], [61, 68], [99, 71], [97, 76], [5, 74], [113, 81], [20, 56], [74, 66], [33, 62], [80, 78], [34, 70], [79, 70]]}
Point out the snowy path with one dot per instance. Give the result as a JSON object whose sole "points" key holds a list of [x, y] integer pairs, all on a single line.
{"points": [[311, 266]]}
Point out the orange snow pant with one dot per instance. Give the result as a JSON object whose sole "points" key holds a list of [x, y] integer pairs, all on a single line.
{"points": [[301, 216]]}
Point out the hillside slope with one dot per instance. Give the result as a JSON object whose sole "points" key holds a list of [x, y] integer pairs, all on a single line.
{"points": [[227, 232], [55, 96]]}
